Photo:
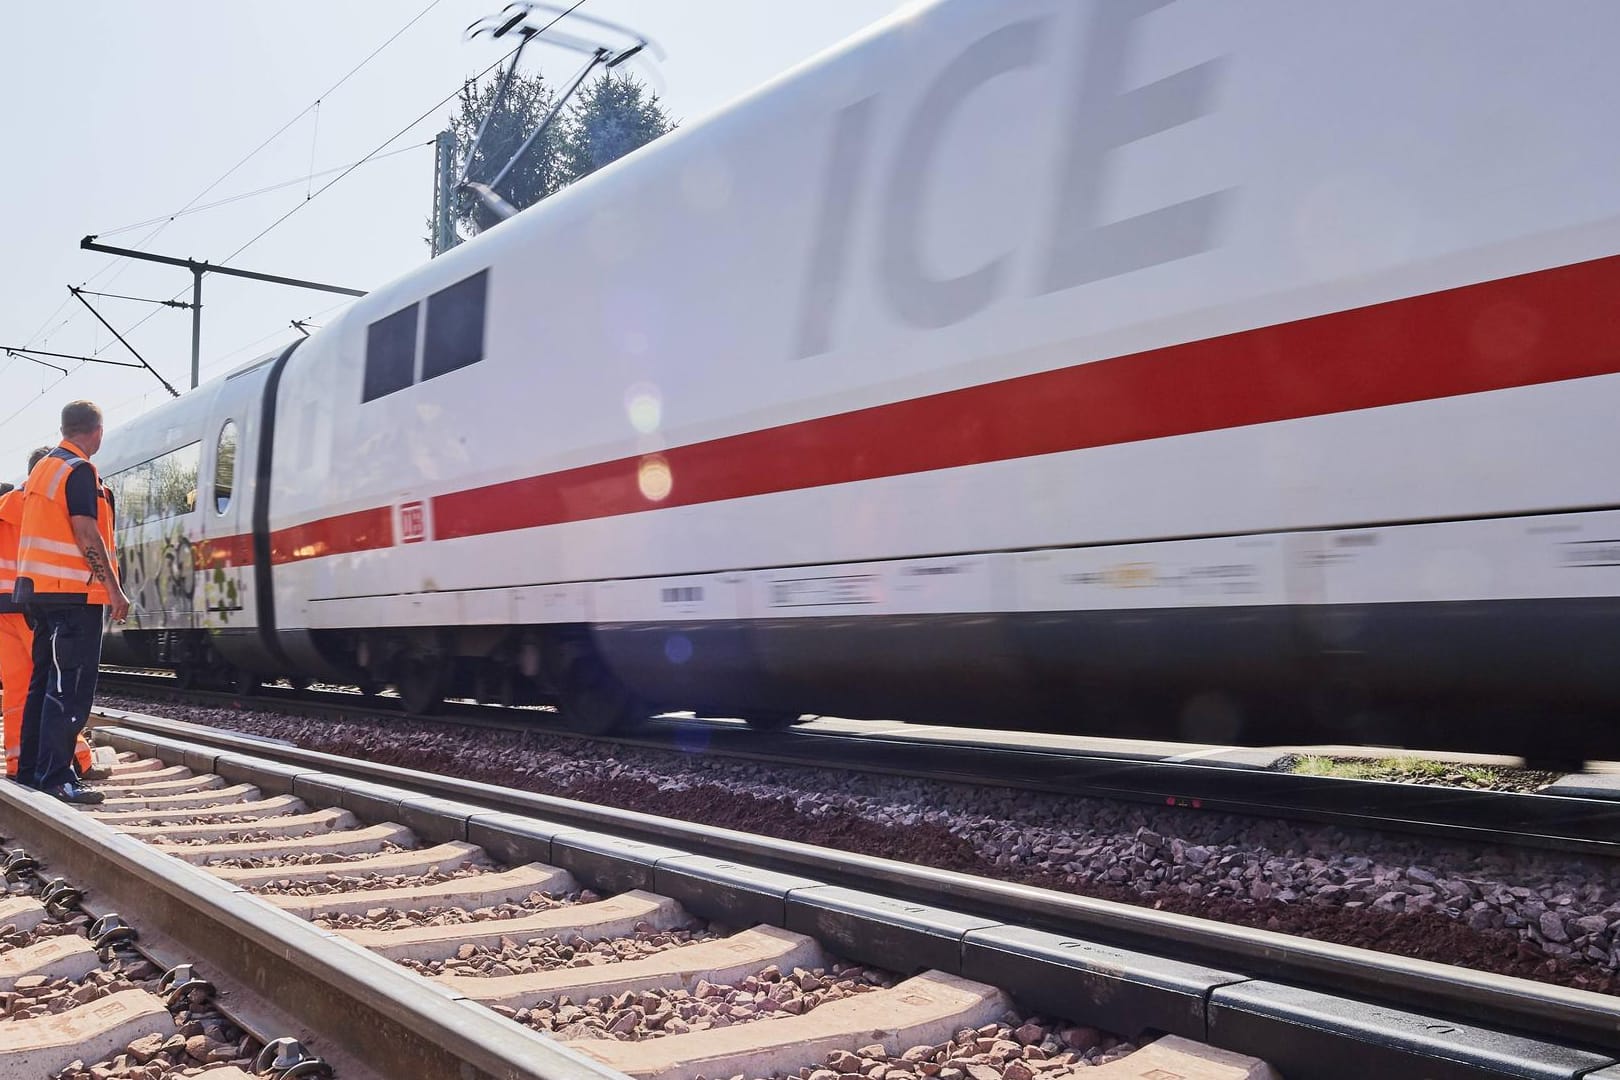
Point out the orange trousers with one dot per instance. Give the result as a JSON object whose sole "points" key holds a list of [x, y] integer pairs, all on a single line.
{"points": [[16, 668]]}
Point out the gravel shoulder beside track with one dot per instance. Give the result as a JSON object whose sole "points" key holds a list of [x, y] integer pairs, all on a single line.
{"points": [[1555, 918]]}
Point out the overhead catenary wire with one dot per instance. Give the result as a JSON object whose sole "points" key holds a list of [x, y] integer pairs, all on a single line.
{"points": [[385, 143], [314, 139], [79, 296], [268, 188], [226, 358], [251, 154], [346, 170], [119, 266], [262, 233], [137, 299]]}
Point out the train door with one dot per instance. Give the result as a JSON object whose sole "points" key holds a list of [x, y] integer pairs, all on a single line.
{"points": [[225, 563]]}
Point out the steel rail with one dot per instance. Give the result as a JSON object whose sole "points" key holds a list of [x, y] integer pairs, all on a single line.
{"points": [[1465, 995], [399, 1024], [1543, 821]]}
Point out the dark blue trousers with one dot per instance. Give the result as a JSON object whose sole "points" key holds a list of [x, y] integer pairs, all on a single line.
{"points": [[67, 655]]}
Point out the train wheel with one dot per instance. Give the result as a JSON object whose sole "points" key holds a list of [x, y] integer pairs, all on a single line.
{"points": [[594, 702], [247, 683], [773, 721], [421, 684]]}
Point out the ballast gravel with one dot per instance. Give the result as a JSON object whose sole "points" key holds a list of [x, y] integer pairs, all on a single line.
{"points": [[1018, 1048], [35, 995], [391, 918], [336, 883], [513, 957], [303, 858], [218, 817], [201, 1040], [652, 1014], [1540, 915]]}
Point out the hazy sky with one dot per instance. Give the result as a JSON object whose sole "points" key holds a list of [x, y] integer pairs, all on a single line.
{"points": [[116, 113]]}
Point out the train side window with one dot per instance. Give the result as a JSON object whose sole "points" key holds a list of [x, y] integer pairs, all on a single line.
{"points": [[390, 354], [172, 482], [130, 492], [225, 467], [454, 337]]}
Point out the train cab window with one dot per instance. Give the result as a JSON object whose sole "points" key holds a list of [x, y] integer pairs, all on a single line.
{"points": [[225, 467], [454, 337], [390, 354]]}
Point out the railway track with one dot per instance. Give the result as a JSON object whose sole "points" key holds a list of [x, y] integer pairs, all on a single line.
{"points": [[90, 891], [781, 910], [1536, 820]]}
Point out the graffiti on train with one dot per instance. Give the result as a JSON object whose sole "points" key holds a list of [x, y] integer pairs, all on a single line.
{"points": [[163, 571], [161, 566]]}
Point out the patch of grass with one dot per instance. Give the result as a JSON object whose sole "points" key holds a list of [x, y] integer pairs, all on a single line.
{"points": [[1407, 769], [1343, 768]]}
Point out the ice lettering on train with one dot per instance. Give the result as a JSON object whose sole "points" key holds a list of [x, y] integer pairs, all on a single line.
{"points": [[919, 299], [1102, 118]]}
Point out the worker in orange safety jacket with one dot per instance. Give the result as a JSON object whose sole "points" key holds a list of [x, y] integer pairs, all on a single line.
{"points": [[67, 581], [16, 639]]}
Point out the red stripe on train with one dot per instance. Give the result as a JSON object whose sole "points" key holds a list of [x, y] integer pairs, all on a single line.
{"points": [[1534, 328], [1540, 327], [221, 551], [360, 530]]}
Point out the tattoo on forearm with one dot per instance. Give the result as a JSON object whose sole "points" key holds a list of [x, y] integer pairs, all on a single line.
{"points": [[98, 567]]}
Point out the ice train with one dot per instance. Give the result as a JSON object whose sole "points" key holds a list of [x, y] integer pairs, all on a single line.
{"points": [[1241, 371]]}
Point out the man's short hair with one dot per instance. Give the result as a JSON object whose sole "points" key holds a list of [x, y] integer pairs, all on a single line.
{"points": [[5, 487], [37, 456], [80, 418]]}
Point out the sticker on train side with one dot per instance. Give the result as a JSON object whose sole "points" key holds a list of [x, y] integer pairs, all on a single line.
{"points": [[413, 527]]}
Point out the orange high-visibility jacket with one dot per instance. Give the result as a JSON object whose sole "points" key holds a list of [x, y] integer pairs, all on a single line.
{"points": [[11, 511], [50, 566]]}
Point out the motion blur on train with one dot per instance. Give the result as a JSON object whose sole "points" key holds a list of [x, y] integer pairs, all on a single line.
{"points": [[1232, 372]]}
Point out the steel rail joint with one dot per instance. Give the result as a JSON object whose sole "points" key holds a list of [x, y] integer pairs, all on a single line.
{"points": [[348, 996], [1540, 1009]]}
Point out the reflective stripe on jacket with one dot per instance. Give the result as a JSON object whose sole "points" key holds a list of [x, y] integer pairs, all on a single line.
{"points": [[11, 509], [50, 566]]}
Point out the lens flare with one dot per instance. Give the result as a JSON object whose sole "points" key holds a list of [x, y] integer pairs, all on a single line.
{"points": [[654, 478], [645, 407]]}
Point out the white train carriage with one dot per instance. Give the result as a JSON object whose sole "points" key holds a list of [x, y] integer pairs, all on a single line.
{"points": [[182, 477], [1245, 371]]}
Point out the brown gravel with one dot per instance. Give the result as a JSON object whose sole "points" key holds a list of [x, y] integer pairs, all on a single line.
{"points": [[11, 939], [514, 957], [306, 858], [1017, 1049], [35, 995], [388, 918], [1539, 915], [200, 1040], [222, 818], [653, 1014], [336, 883], [247, 836]]}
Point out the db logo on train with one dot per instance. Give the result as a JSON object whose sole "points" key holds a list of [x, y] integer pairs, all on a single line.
{"points": [[412, 523]]}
